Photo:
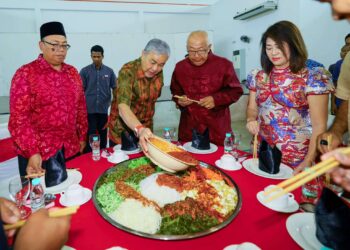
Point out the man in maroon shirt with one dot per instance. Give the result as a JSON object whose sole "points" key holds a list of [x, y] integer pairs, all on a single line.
{"points": [[47, 105], [211, 80]]}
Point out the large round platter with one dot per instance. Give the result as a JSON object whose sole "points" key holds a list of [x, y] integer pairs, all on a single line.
{"points": [[102, 199]]}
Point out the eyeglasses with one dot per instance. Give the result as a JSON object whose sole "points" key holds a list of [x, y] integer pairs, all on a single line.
{"points": [[57, 46], [201, 52]]}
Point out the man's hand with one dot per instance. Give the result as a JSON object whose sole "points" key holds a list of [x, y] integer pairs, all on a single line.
{"points": [[42, 232], [144, 135], [82, 146], [207, 102], [323, 145], [184, 102], [34, 164], [9, 214]]}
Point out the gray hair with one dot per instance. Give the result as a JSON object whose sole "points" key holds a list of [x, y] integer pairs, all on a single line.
{"points": [[157, 46]]}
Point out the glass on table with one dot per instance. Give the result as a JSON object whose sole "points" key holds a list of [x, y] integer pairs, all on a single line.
{"points": [[169, 134], [19, 189], [237, 137], [94, 140]]}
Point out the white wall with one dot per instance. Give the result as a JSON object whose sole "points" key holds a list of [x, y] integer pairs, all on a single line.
{"points": [[122, 29], [323, 36]]}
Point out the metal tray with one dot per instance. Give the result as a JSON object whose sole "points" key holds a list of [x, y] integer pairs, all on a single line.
{"points": [[213, 229]]}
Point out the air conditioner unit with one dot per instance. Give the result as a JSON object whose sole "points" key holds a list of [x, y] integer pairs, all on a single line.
{"points": [[257, 10]]}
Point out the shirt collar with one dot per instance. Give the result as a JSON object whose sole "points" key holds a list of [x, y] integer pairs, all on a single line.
{"points": [[45, 65], [94, 67]]}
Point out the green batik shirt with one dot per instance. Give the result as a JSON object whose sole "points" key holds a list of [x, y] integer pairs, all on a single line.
{"points": [[136, 91]]}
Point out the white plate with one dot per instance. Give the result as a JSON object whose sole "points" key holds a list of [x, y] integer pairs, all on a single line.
{"points": [[235, 166], [252, 165], [290, 209], [74, 177], [119, 147], [115, 162], [86, 198], [301, 227], [243, 246], [187, 146]]}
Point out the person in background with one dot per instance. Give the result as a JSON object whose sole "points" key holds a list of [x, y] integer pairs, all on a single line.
{"points": [[288, 103], [98, 82], [39, 232], [47, 104], [211, 80], [335, 71], [340, 9], [139, 85]]}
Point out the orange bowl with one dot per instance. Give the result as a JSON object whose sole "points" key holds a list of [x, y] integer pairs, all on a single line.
{"points": [[169, 156]]}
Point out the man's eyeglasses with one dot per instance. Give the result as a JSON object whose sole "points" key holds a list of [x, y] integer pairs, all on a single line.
{"points": [[201, 52], [57, 46]]}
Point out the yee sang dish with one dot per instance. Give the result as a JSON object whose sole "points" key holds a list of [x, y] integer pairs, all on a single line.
{"points": [[144, 198], [173, 150]]}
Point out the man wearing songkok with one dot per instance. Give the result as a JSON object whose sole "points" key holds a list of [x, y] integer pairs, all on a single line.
{"points": [[98, 81], [139, 85], [211, 80], [47, 105]]}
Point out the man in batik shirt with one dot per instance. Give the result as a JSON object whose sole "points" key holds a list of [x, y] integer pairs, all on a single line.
{"points": [[209, 79], [139, 85], [47, 104]]}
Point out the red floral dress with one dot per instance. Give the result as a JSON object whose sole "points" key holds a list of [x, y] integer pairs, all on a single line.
{"points": [[47, 110], [283, 110]]}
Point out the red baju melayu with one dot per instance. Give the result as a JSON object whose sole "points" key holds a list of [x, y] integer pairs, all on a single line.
{"points": [[216, 78], [47, 110]]}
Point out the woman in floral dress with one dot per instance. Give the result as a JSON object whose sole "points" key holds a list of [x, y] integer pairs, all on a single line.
{"points": [[288, 103]]}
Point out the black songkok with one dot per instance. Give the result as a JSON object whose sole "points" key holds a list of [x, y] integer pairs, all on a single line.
{"points": [[52, 28]]}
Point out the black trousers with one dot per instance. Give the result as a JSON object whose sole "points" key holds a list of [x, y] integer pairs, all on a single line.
{"points": [[96, 123]]}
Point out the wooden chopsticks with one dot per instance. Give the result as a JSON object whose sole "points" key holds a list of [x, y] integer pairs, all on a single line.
{"points": [[307, 175], [255, 147], [43, 173], [183, 97], [55, 213], [329, 141], [34, 175]]}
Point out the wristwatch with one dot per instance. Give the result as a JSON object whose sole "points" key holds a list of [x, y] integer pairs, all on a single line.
{"points": [[138, 129]]}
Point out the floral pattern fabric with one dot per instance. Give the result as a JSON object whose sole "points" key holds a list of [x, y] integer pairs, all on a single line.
{"points": [[47, 110], [283, 110], [139, 93]]}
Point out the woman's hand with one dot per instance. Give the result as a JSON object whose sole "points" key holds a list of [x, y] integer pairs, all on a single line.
{"points": [[306, 163], [253, 127]]}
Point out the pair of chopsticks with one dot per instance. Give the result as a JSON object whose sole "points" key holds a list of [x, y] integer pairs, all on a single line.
{"points": [[327, 176], [307, 175], [43, 173], [255, 147], [53, 214], [183, 97]]}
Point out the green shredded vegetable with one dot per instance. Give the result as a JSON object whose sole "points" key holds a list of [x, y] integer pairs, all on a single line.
{"points": [[184, 224], [138, 162], [108, 197], [135, 178]]}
